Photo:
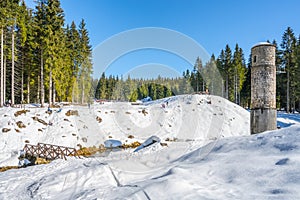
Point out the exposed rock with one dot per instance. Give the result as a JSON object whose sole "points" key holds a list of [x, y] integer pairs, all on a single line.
{"points": [[39, 120], [84, 139], [164, 144], [130, 136], [42, 122], [79, 145], [99, 119], [171, 139], [20, 124], [144, 112], [20, 112], [5, 130], [72, 112]]}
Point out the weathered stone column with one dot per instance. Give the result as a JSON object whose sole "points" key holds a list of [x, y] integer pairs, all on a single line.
{"points": [[263, 88]]}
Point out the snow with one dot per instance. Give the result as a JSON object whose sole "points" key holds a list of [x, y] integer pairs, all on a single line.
{"points": [[262, 43], [213, 156]]}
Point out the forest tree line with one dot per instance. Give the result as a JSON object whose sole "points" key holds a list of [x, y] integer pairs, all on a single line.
{"points": [[42, 59], [234, 70]]}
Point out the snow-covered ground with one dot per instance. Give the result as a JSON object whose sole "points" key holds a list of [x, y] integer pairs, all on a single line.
{"points": [[213, 157]]}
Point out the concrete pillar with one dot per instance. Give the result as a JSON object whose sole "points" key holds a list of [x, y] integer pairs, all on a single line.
{"points": [[263, 88]]}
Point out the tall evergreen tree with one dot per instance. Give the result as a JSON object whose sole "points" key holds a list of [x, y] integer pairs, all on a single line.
{"points": [[239, 68], [288, 45], [85, 70]]}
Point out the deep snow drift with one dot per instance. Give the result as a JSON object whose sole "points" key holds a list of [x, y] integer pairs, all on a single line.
{"points": [[214, 157]]}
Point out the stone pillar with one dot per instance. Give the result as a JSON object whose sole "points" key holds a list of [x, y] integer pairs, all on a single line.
{"points": [[263, 88]]}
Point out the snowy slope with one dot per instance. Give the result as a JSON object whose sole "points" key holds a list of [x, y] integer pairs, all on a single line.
{"points": [[186, 117], [264, 166], [214, 157]]}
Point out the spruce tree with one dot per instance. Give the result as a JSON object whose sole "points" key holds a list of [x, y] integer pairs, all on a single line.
{"points": [[288, 45], [85, 61]]}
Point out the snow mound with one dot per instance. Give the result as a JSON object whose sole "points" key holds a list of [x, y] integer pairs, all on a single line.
{"points": [[184, 118]]}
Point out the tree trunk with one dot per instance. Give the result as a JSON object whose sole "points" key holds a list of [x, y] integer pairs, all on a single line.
{"points": [[50, 87], [226, 88], [4, 82], [38, 90], [288, 92], [54, 93], [22, 83], [82, 93], [42, 81], [12, 68], [2, 72], [28, 87]]}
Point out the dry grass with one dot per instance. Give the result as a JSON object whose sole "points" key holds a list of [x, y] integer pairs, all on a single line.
{"points": [[3, 169], [131, 145], [88, 151], [40, 161]]}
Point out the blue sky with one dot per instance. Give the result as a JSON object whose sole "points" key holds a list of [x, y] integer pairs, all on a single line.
{"points": [[212, 24]]}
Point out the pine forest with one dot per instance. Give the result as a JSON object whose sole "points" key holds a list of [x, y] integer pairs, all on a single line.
{"points": [[45, 60]]}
